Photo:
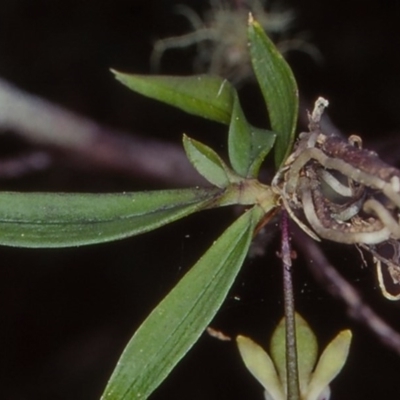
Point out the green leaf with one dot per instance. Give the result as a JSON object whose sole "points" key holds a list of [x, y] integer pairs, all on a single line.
{"points": [[209, 97], [239, 140], [307, 351], [248, 146], [61, 220], [177, 322], [329, 365], [260, 365], [278, 87], [262, 141], [207, 162]]}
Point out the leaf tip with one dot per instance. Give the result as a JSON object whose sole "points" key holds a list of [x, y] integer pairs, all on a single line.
{"points": [[250, 19], [240, 339], [346, 336], [114, 72], [346, 333], [117, 75]]}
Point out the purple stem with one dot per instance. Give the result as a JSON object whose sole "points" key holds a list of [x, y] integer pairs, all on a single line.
{"points": [[292, 372]]}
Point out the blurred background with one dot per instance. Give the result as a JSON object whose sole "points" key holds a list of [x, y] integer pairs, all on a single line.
{"points": [[66, 315]]}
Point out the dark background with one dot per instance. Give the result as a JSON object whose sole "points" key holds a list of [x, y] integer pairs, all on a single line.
{"points": [[65, 315]]}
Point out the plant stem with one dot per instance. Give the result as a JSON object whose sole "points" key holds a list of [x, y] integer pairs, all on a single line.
{"points": [[293, 392]]}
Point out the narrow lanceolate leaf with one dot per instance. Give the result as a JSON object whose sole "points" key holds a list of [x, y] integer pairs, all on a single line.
{"points": [[209, 97], [239, 140], [247, 145], [177, 322], [61, 220], [262, 141], [307, 350], [260, 365], [330, 364], [207, 162], [278, 87]]}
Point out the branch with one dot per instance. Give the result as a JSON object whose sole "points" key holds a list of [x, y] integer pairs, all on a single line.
{"points": [[41, 122]]}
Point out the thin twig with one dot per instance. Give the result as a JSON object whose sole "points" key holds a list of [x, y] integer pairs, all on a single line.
{"points": [[42, 122], [24, 164], [293, 391]]}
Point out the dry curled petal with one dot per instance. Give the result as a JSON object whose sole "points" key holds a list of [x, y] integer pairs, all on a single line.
{"points": [[345, 193]]}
